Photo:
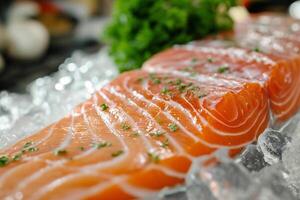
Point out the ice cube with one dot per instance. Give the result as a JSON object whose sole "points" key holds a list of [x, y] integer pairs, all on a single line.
{"points": [[226, 180], [176, 193], [52, 97], [252, 158], [272, 143], [291, 161]]}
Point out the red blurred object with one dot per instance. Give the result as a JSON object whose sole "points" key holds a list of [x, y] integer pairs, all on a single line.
{"points": [[48, 7], [246, 3]]}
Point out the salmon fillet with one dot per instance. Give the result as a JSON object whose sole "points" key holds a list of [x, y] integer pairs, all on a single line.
{"points": [[265, 50], [135, 136]]}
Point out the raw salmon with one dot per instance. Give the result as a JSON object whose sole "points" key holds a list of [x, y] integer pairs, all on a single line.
{"points": [[265, 50], [134, 137]]}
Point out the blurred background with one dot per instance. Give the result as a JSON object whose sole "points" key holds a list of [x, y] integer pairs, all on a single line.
{"points": [[37, 36]]}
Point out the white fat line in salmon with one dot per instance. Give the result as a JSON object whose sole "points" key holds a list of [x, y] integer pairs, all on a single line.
{"points": [[148, 145], [188, 115], [196, 124], [254, 111], [68, 138], [202, 78], [41, 171], [232, 52], [151, 119], [11, 171]]}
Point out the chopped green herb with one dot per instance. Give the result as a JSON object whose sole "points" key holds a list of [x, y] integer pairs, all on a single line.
{"points": [[173, 127], [27, 144], [256, 49], [165, 91], [156, 81], [60, 152], [17, 156], [135, 134], [153, 157], [178, 81], [194, 60], [181, 87], [81, 148], [102, 145], [140, 80], [117, 153], [202, 95], [223, 69], [104, 107], [33, 149], [165, 143], [4, 160], [125, 126], [210, 60], [157, 133]]}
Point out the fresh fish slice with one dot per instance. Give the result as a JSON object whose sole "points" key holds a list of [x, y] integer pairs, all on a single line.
{"points": [[139, 129], [270, 60]]}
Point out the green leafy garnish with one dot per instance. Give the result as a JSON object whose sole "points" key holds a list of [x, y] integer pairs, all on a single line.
{"points": [[256, 49], [33, 149], [210, 60], [223, 69], [60, 152], [27, 144], [104, 107], [165, 143], [125, 126], [81, 148], [173, 127], [141, 28], [117, 153], [102, 145], [17, 157], [4, 160], [157, 134], [154, 157]]}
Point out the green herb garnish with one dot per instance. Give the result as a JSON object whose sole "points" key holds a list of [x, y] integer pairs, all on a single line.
{"points": [[125, 126], [202, 95], [102, 145], [157, 134], [153, 157], [223, 69], [140, 28], [173, 127], [117, 153], [165, 91], [17, 156], [210, 60], [104, 107], [165, 143], [256, 49], [81, 148], [33, 149], [60, 152], [4, 160], [27, 144], [194, 60]]}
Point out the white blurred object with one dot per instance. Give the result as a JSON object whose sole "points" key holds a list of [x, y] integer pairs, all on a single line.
{"points": [[2, 64], [27, 39], [52, 97], [294, 9], [22, 10], [239, 14]]}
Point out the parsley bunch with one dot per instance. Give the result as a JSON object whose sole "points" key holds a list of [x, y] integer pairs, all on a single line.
{"points": [[140, 28]]}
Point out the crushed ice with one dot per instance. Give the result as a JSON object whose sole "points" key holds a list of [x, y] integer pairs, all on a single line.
{"points": [[267, 170], [52, 97]]}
